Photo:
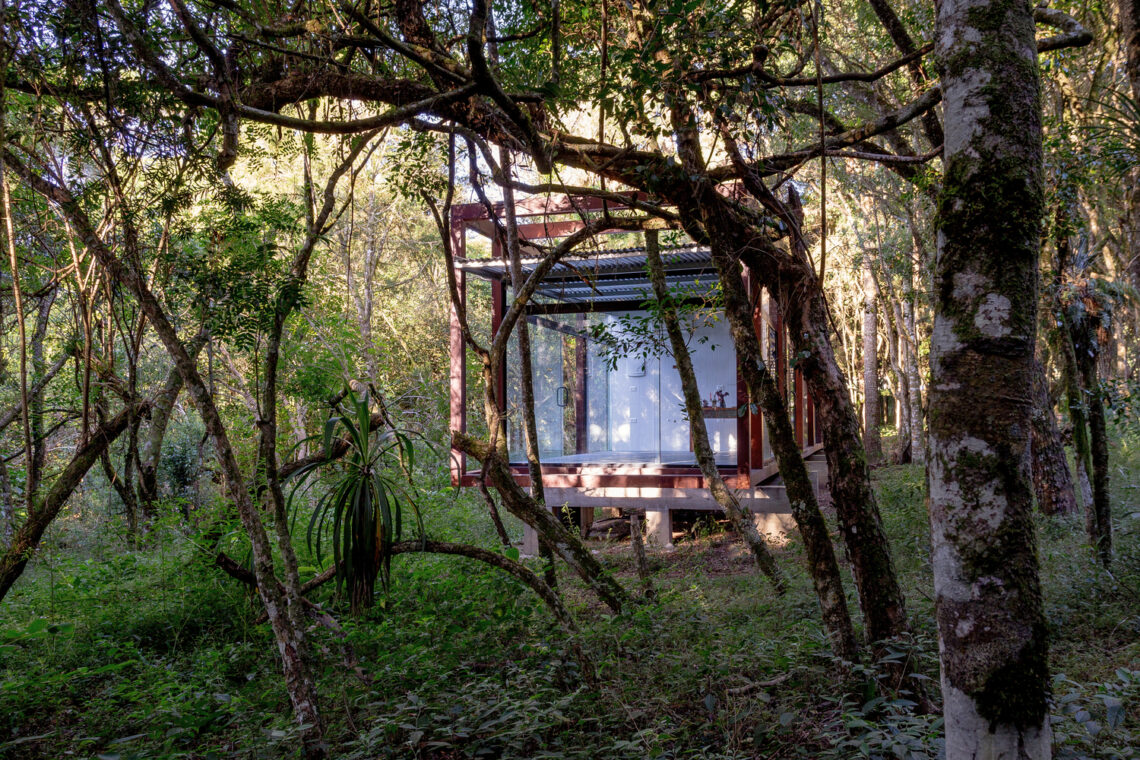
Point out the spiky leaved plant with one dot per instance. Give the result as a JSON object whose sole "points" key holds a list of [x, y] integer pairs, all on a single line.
{"points": [[363, 503]]}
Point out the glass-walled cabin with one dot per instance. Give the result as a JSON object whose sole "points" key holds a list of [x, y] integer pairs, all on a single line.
{"points": [[607, 391], [608, 402]]}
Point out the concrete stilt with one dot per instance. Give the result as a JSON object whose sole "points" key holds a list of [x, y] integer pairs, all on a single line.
{"points": [[530, 541], [659, 527]]}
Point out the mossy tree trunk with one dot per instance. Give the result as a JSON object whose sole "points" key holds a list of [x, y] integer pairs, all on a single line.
{"points": [[992, 631], [763, 391], [734, 237], [741, 521], [526, 371], [884, 609], [1052, 481], [1099, 512]]}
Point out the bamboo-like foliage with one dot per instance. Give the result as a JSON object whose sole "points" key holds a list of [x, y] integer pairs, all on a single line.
{"points": [[364, 505]]}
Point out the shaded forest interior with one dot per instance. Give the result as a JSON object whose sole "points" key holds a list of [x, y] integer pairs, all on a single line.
{"points": [[567, 379]]}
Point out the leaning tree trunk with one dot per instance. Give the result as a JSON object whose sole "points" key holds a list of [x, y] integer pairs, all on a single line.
{"points": [[1052, 481], [849, 479], [562, 542], [741, 521], [871, 438], [762, 390], [46, 506], [991, 625], [526, 371], [801, 302], [735, 237], [291, 643]]}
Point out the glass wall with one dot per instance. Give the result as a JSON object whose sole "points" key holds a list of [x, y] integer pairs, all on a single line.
{"points": [[608, 392]]}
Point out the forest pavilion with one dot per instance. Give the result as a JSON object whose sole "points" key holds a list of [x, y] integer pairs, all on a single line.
{"points": [[612, 429]]}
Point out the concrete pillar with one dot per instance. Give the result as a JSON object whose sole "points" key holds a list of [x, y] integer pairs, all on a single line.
{"points": [[659, 527], [530, 541]]}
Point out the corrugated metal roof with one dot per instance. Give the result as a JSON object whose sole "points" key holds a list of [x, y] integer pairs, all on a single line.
{"points": [[607, 275]]}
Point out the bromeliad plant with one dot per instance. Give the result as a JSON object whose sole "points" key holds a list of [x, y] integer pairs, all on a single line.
{"points": [[364, 504]]}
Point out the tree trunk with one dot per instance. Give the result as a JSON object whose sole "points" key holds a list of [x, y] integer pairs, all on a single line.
{"points": [[910, 358], [1080, 418], [897, 356], [123, 484], [150, 449], [881, 598], [871, 419], [519, 503], [7, 505], [526, 371], [1129, 17], [1084, 344], [741, 521], [991, 625], [36, 402], [45, 508], [291, 643], [1052, 481], [762, 390], [638, 542], [735, 236]]}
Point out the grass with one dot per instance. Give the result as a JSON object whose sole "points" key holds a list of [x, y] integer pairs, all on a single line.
{"points": [[110, 653]]}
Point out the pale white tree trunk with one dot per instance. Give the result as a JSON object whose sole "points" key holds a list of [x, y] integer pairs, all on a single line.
{"points": [[992, 632], [910, 359], [871, 440]]}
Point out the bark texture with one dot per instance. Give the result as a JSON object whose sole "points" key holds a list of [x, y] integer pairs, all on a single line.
{"points": [[871, 438], [1052, 481], [741, 521], [992, 631], [910, 361], [818, 549]]}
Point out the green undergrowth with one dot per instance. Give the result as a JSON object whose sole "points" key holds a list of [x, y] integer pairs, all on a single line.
{"points": [[154, 653]]}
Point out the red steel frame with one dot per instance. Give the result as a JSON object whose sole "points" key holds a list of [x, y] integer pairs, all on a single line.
{"points": [[750, 426]]}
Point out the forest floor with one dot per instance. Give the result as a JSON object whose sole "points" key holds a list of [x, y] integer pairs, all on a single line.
{"points": [[153, 653]]}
